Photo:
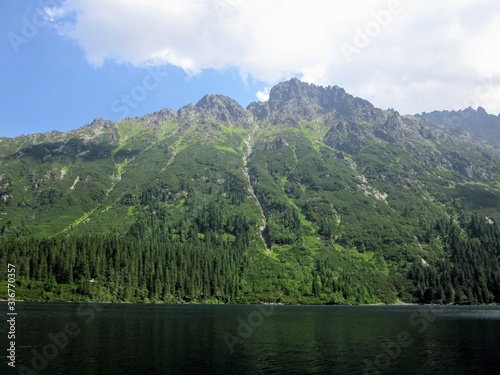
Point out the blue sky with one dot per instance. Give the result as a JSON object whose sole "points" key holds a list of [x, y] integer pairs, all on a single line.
{"points": [[47, 84], [65, 62]]}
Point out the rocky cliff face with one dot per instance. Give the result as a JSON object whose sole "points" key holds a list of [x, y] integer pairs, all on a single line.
{"points": [[294, 101], [216, 108], [329, 198]]}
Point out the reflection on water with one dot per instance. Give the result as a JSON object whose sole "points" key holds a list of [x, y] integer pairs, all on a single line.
{"points": [[196, 339]]}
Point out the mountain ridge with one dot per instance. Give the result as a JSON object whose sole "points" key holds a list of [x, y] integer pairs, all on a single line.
{"points": [[311, 197], [303, 102]]}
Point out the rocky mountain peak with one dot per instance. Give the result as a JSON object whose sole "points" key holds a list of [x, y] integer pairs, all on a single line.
{"points": [[295, 91], [217, 108], [481, 110], [215, 101], [157, 118], [294, 101], [100, 123], [478, 123]]}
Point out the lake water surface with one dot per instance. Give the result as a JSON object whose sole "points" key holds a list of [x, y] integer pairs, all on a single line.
{"points": [[70, 338]]}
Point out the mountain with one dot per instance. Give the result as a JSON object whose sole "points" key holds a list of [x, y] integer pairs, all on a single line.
{"points": [[477, 123], [314, 196], [293, 101]]}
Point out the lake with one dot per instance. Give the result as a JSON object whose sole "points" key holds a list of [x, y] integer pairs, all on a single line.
{"points": [[71, 338]]}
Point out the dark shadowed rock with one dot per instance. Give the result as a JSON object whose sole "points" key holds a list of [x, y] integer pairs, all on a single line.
{"points": [[294, 101], [346, 136], [159, 117], [478, 123], [220, 108]]}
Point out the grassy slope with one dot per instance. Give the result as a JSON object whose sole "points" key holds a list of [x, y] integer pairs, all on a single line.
{"points": [[352, 222]]}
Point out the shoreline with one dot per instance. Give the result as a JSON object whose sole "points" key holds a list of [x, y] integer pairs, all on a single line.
{"points": [[254, 304]]}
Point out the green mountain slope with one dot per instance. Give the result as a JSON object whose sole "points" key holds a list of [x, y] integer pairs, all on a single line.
{"points": [[313, 197]]}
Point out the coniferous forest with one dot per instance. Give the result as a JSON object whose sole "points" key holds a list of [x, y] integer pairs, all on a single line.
{"points": [[211, 270], [313, 197]]}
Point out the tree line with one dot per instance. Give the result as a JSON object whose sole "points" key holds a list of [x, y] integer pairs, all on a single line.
{"points": [[125, 268]]}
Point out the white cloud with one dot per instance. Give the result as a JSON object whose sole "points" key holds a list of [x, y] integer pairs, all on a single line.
{"points": [[416, 55], [263, 95]]}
